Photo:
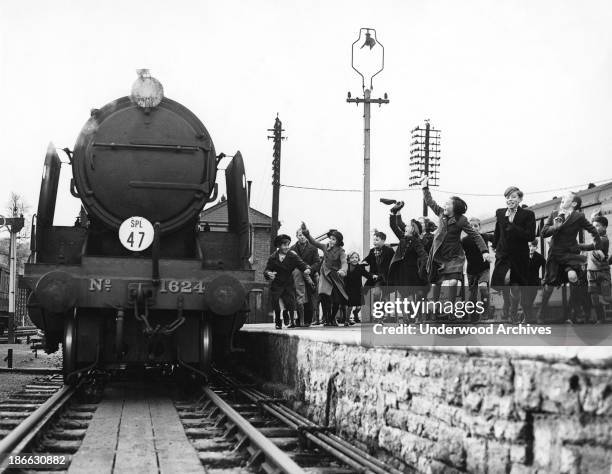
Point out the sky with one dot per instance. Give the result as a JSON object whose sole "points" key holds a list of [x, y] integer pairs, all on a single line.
{"points": [[521, 91]]}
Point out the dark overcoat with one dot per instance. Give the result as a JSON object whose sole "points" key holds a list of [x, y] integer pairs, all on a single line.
{"points": [[354, 283], [381, 270], [407, 266], [446, 247], [283, 282], [564, 238], [564, 250], [511, 243]]}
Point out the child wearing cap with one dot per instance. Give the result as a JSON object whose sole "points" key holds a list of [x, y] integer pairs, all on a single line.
{"points": [[598, 268], [407, 266], [332, 291], [279, 269]]}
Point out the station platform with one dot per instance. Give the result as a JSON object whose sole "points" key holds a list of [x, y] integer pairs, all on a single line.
{"points": [[566, 342], [440, 407]]}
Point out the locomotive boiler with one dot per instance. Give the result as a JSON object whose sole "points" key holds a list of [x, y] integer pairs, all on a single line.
{"points": [[134, 282]]}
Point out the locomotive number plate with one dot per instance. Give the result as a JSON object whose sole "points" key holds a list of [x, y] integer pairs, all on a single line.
{"points": [[136, 234], [181, 286]]}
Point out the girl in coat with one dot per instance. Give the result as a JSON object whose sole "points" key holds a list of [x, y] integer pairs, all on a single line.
{"points": [[410, 257], [408, 265], [354, 285], [446, 257], [332, 291]]}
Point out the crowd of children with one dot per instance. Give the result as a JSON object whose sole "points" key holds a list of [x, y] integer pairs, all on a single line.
{"points": [[434, 257]]}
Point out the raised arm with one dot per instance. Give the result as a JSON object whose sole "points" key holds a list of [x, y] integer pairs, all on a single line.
{"points": [[433, 205], [397, 225], [318, 245]]}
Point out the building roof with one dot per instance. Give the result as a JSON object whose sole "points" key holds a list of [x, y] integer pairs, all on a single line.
{"points": [[217, 214], [594, 196]]}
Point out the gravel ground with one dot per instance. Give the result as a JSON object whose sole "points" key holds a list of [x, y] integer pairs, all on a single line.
{"points": [[24, 357]]}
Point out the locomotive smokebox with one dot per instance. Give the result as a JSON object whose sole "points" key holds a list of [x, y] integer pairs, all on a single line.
{"points": [[156, 162], [56, 292]]}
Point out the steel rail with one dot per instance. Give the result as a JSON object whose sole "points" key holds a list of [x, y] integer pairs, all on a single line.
{"points": [[333, 444], [271, 452], [31, 370], [17, 440], [329, 441]]}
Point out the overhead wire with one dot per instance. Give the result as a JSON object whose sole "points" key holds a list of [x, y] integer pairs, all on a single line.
{"points": [[417, 188]]}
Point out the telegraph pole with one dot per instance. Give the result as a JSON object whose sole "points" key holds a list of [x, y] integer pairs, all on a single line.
{"points": [[366, 101], [425, 156], [370, 42], [276, 163], [14, 224]]}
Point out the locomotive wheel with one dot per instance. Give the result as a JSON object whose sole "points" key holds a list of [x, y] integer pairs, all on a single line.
{"points": [[69, 349], [205, 345]]}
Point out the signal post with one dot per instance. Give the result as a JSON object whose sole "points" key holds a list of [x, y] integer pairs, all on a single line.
{"points": [[14, 225]]}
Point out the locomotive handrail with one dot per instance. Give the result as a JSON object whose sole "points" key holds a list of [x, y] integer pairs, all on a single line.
{"points": [[166, 185], [160, 147]]}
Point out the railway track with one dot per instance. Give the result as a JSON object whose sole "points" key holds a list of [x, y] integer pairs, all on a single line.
{"points": [[233, 427], [43, 419]]}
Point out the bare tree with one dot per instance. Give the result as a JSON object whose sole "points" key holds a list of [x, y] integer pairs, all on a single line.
{"points": [[17, 205]]}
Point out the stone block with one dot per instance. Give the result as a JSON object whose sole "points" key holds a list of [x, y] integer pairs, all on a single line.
{"points": [[498, 457], [475, 454]]}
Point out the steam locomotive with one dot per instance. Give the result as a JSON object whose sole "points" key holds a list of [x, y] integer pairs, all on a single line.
{"points": [[134, 283]]}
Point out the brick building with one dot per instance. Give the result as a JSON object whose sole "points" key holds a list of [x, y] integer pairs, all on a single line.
{"points": [[215, 219]]}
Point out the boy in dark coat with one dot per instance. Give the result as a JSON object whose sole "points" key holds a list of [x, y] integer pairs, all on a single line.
{"points": [[598, 268], [478, 269], [305, 285], [379, 259], [534, 280], [279, 269], [564, 263], [514, 229], [446, 257]]}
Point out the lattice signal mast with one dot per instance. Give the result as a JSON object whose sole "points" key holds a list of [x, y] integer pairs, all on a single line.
{"points": [[425, 156]]}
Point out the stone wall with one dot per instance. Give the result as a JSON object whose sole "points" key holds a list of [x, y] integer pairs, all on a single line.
{"points": [[448, 410]]}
